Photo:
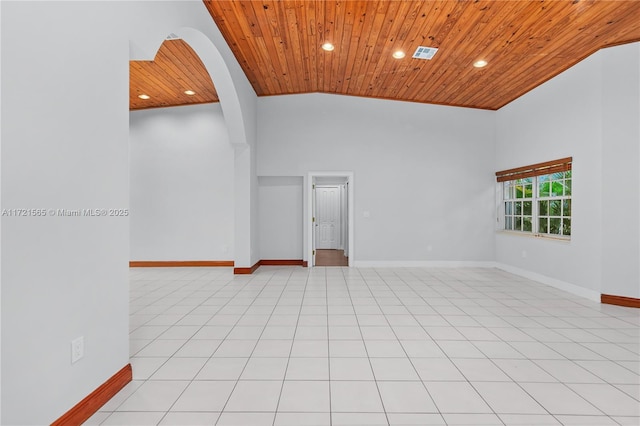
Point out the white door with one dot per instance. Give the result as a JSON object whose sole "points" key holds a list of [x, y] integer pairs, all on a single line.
{"points": [[327, 217]]}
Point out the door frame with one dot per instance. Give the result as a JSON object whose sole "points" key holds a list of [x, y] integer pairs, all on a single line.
{"points": [[308, 214]]}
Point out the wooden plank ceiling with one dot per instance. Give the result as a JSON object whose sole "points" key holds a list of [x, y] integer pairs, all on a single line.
{"points": [[277, 43], [525, 43], [175, 69]]}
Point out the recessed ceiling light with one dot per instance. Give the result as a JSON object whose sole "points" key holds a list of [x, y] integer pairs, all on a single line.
{"points": [[145, 97], [398, 54], [328, 47], [481, 63], [189, 92]]}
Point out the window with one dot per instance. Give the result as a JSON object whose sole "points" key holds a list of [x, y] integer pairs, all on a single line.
{"points": [[537, 198]]}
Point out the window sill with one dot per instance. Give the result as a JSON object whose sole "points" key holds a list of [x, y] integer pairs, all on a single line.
{"points": [[536, 236]]}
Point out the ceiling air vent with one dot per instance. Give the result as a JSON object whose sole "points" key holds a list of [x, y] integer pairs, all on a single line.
{"points": [[173, 36], [423, 52]]}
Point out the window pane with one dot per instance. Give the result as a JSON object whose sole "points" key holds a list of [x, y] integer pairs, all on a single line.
{"points": [[528, 193], [543, 225], [566, 207], [519, 191], [543, 208], [566, 226], [554, 225], [543, 189], [527, 208], [508, 206], [567, 186], [554, 208], [526, 223], [557, 188], [567, 174], [508, 222], [518, 223], [518, 206], [557, 176]]}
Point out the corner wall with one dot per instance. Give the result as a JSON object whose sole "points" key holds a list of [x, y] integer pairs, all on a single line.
{"points": [[589, 112], [424, 173], [182, 199]]}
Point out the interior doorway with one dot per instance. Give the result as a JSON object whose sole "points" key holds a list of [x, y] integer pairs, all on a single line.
{"points": [[330, 219]]}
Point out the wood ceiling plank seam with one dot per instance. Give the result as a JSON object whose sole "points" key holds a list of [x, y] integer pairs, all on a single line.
{"points": [[417, 67], [425, 68], [466, 77], [310, 42], [275, 65], [302, 46], [173, 75], [155, 86], [292, 51], [382, 61], [521, 85], [257, 57], [249, 14], [474, 80], [290, 69], [434, 23], [277, 40], [625, 16], [329, 29], [392, 67], [540, 67], [443, 78], [410, 69], [337, 24], [238, 44], [298, 69], [349, 49], [463, 60], [193, 73], [502, 53], [380, 31], [341, 53], [359, 54], [409, 25], [321, 37]]}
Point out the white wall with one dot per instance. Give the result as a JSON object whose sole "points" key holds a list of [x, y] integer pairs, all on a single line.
{"points": [[280, 205], [181, 177], [65, 79], [621, 170], [424, 173], [589, 112]]}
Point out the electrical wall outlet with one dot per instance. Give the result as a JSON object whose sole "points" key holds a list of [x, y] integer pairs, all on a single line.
{"points": [[77, 349]]}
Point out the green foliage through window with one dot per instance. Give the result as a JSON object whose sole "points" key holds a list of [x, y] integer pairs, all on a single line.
{"points": [[545, 210]]}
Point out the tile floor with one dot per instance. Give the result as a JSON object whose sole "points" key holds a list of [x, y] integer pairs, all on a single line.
{"points": [[341, 346]]}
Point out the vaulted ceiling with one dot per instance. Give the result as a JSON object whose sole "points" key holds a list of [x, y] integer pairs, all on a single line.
{"points": [[175, 70], [278, 45]]}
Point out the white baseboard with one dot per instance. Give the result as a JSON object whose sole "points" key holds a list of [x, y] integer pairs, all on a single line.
{"points": [[423, 264], [561, 285]]}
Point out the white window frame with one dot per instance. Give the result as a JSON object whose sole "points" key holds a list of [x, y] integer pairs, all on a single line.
{"points": [[564, 200]]}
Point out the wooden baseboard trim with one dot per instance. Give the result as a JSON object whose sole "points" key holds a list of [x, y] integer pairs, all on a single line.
{"points": [[177, 263], [305, 264], [96, 399], [281, 262], [247, 271], [629, 302]]}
